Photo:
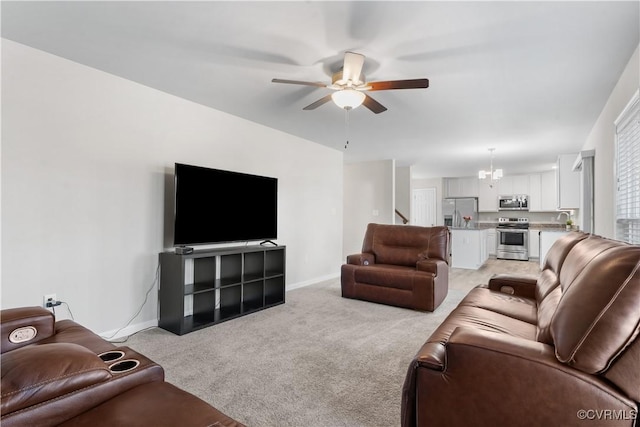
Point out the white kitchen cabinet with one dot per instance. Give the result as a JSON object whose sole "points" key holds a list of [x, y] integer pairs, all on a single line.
{"points": [[513, 185], [470, 187], [451, 187], [542, 192], [568, 183], [520, 184], [505, 186], [487, 196], [534, 244], [548, 191], [535, 192], [492, 243], [468, 248], [540, 187], [462, 187]]}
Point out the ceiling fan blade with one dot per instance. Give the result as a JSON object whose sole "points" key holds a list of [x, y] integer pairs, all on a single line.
{"points": [[298, 82], [373, 105], [352, 68], [318, 103], [399, 84]]}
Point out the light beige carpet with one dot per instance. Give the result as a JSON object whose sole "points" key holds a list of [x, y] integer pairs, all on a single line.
{"points": [[317, 360]]}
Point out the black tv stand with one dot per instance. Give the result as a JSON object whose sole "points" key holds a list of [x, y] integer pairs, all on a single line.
{"points": [[264, 243], [209, 286]]}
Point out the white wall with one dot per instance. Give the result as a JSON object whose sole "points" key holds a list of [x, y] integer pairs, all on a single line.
{"points": [[602, 139], [368, 190], [84, 156]]}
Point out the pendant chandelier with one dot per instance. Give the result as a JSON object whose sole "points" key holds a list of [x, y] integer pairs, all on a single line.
{"points": [[492, 174]]}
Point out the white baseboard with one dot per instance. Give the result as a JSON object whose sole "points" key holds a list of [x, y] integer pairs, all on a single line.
{"points": [[129, 330], [293, 286], [132, 329]]}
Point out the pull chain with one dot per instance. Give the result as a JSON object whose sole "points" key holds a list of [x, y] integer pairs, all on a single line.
{"points": [[346, 127]]}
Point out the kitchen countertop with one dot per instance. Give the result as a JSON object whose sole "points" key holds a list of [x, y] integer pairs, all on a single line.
{"points": [[535, 226]]}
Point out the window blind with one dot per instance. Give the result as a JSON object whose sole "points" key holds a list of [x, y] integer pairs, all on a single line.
{"points": [[628, 173]]}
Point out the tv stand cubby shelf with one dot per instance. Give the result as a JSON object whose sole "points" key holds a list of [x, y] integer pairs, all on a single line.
{"points": [[210, 286]]}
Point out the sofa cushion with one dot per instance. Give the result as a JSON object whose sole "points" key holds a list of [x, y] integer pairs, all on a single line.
{"points": [[35, 374], [547, 282], [509, 305], [546, 309], [68, 331], [559, 250], [581, 255], [599, 314], [153, 404], [482, 319]]}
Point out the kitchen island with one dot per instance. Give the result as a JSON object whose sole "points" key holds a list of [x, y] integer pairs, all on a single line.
{"points": [[468, 247]]}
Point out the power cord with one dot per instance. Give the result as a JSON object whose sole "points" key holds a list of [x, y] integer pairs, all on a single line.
{"points": [[129, 336], [53, 304], [146, 297]]}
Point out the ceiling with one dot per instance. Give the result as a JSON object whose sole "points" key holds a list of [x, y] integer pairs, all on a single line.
{"points": [[527, 78]]}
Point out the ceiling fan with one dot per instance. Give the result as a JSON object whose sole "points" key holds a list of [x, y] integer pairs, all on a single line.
{"points": [[349, 85]]}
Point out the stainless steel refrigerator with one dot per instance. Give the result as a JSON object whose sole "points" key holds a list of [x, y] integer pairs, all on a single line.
{"points": [[454, 209]]}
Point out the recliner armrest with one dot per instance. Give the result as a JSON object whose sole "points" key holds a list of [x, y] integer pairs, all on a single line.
{"points": [[24, 325], [365, 258], [435, 266], [523, 286]]}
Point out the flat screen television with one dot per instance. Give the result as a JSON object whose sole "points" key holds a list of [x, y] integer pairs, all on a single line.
{"points": [[216, 206]]}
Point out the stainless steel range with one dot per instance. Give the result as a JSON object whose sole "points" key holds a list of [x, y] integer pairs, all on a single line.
{"points": [[513, 238]]}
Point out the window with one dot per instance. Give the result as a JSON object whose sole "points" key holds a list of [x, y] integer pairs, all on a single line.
{"points": [[628, 172]]}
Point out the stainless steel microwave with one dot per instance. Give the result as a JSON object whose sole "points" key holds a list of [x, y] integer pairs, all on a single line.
{"points": [[518, 202]]}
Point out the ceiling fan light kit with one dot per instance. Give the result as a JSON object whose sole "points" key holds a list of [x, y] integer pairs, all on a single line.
{"points": [[348, 98]]}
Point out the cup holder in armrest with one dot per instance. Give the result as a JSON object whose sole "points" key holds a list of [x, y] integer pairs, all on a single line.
{"points": [[124, 365], [111, 355]]}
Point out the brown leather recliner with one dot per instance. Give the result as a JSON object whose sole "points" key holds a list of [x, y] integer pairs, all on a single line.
{"points": [[560, 349], [62, 374], [400, 265]]}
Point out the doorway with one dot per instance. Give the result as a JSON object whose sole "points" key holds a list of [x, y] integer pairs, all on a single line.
{"points": [[424, 207]]}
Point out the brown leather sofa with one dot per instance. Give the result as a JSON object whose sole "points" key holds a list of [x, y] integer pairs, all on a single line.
{"points": [[60, 373], [400, 265], [560, 349]]}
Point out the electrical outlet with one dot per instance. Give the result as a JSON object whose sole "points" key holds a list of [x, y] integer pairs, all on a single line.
{"points": [[48, 299]]}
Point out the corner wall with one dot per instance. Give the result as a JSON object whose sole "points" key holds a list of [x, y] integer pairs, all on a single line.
{"points": [[369, 196], [403, 194], [84, 159]]}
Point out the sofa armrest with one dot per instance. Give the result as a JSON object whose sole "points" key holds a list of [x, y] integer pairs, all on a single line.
{"points": [[504, 379], [365, 258], [522, 286], [36, 374], [24, 325]]}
